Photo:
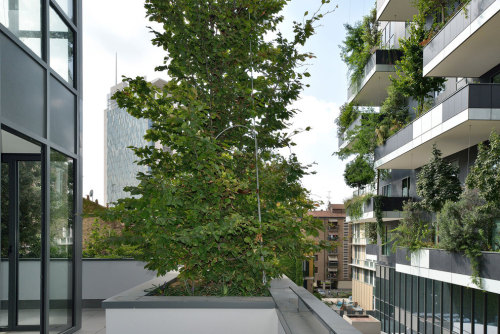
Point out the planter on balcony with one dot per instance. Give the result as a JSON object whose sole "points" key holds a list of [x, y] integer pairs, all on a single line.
{"points": [[450, 267], [291, 309]]}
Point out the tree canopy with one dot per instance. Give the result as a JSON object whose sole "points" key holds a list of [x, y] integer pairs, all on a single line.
{"points": [[196, 206]]}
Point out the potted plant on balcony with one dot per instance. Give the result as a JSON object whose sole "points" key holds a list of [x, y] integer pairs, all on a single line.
{"points": [[228, 214]]}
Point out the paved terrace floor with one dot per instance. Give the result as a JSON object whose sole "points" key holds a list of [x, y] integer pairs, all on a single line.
{"points": [[93, 322]]}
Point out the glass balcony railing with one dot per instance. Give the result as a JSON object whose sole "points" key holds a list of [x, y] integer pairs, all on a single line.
{"points": [[364, 263]]}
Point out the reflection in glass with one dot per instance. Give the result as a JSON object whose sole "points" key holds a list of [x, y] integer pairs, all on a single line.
{"points": [[456, 308], [492, 313], [61, 242], [29, 244], [66, 6], [437, 303], [467, 310], [61, 47], [4, 247], [446, 305], [478, 311], [23, 19]]}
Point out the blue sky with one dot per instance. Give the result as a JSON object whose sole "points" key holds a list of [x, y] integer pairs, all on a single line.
{"points": [[125, 33]]}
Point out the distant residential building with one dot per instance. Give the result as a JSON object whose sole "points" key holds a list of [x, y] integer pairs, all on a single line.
{"points": [[331, 267], [121, 131]]}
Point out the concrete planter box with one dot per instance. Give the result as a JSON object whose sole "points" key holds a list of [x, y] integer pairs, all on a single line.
{"points": [[291, 309], [133, 311], [450, 267]]}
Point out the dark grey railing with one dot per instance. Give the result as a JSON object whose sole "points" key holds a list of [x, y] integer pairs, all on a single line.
{"points": [[379, 57], [388, 204], [454, 27], [469, 96]]}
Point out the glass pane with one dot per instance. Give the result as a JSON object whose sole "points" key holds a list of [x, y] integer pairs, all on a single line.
{"points": [[447, 307], [61, 47], [30, 241], [437, 303], [414, 304], [478, 311], [467, 309], [23, 19], [492, 313], [456, 309], [4, 248], [66, 6], [61, 242], [428, 304]]}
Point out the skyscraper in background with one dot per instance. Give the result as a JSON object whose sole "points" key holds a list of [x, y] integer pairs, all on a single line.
{"points": [[121, 131]]}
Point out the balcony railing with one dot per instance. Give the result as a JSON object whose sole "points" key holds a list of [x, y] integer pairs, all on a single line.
{"points": [[391, 208], [342, 139], [380, 61], [484, 99], [364, 263], [454, 36], [359, 241]]}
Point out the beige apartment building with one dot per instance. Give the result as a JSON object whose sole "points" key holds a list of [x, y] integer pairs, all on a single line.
{"points": [[331, 267]]}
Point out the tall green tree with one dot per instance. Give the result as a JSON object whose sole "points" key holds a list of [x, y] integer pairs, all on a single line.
{"points": [[409, 79], [438, 182], [196, 207], [359, 172], [485, 174]]}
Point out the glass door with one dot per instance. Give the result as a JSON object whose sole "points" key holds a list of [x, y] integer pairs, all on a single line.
{"points": [[21, 242]]}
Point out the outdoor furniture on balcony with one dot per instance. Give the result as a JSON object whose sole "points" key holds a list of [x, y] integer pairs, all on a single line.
{"points": [[464, 119], [453, 52]]}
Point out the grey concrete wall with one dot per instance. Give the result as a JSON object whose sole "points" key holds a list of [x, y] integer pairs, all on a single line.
{"points": [[105, 278], [101, 278]]}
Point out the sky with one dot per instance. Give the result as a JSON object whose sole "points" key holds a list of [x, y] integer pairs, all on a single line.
{"points": [[119, 28]]}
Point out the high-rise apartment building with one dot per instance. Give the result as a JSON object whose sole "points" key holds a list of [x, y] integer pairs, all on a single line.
{"points": [[429, 291], [41, 165], [331, 267], [122, 131]]}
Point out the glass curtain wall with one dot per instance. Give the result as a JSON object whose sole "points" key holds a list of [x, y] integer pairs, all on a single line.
{"points": [[430, 306], [40, 191]]}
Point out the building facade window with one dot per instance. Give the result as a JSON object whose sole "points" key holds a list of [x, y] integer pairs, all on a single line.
{"points": [[405, 187], [410, 304], [24, 19], [387, 190]]}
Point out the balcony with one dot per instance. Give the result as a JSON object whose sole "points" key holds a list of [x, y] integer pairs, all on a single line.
{"points": [[395, 10], [345, 142], [467, 46], [464, 119], [365, 264], [391, 210], [371, 89], [359, 241]]}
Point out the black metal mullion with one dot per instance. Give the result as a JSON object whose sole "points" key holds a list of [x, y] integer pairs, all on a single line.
{"points": [[12, 246], [45, 242]]}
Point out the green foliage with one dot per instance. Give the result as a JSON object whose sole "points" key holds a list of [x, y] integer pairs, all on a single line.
{"points": [[467, 227], [293, 268], [371, 232], [196, 206], [393, 115], [354, 205], [409, 80], [438, 182], [485, 174], [348, 114], [415, 230], [359, 172], [104, 242], [361, 39]]}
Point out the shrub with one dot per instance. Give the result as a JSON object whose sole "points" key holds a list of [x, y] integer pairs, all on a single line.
{"points": [[438, 182], [359, 172], [467, 227], [415, 230]]}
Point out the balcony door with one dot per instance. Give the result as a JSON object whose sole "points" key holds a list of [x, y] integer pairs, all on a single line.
{"points": [[21, 236]]}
